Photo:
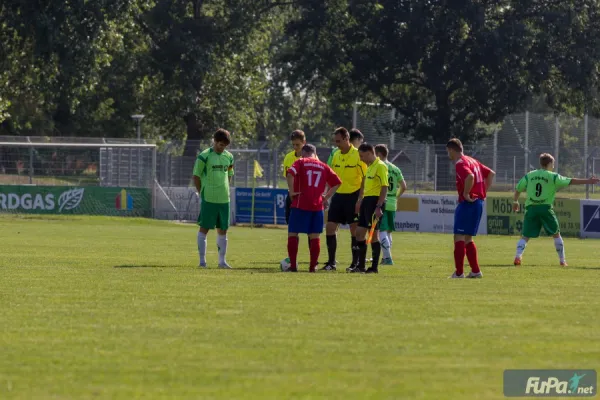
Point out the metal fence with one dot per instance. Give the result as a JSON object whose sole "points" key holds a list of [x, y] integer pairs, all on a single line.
{"points": [[512, 149]]}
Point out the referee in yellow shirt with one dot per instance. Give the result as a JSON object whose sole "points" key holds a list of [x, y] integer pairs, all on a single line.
{"points": [[372, 203], [298, 139], [347, 165]]}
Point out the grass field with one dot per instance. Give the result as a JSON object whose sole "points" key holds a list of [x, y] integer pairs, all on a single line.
{"points": [[101, 308]]}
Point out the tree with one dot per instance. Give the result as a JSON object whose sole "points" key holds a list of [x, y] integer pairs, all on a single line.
{"points": [[445, 66]]}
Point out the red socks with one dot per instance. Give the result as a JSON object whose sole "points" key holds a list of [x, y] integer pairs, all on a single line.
{"points": [[293, 250], [459, 257], [472, 257], [315, 250]]}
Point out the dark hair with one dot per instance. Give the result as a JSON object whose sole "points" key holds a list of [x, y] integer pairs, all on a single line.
{"points": [[366, 147], [343, 132], [298, 134], [382, 149], [309, 148], [356, 134], [545, 159], [455, 144], [221, 135]]}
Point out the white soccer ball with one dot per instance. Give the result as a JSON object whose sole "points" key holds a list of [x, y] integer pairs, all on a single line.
{"points": [[285, 264]]}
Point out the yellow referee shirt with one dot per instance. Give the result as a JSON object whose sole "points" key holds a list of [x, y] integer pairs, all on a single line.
{"points": [[377, 177], [288, 161], [350, 170]]}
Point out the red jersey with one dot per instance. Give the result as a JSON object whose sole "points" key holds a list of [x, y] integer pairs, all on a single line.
{"points": [[311, 176], [466, 166]]}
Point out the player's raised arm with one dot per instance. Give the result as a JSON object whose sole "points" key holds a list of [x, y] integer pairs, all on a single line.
{"points": [[589, 181]]}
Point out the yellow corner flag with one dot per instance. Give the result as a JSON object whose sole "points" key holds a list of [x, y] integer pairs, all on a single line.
{"points": [[258, 171]]}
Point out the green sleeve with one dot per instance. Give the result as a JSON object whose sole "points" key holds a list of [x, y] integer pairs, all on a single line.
{"points": [[230, 169], [383, 175], [330, 159], [561, 181], [199, 167], [400, 176], [522, 185]]}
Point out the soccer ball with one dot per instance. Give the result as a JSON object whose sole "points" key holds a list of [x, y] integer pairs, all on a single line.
{"points": [[285, 264]]}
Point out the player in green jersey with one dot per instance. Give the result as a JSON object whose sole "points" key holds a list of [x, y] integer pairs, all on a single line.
{"points": [[356, 139], [212, 175], [541, 186], [397, 186]]}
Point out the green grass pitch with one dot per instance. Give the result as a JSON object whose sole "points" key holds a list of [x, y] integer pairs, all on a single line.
{"points": [[107, 308]]}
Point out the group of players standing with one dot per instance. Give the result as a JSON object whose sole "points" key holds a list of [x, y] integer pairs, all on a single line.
{"points": [[361, 189]]}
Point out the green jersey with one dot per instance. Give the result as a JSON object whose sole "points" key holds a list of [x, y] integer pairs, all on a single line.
{"points": [[330, 159], [541, 186], [214, 171], [394, 178]]}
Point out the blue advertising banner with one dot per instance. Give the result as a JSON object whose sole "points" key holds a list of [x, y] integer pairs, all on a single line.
{"points": [[269, 206]]}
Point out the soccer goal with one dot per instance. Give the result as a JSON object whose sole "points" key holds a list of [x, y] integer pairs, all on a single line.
{"points": [[41, 175]]}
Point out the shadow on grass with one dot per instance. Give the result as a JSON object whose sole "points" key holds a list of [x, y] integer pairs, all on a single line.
{"points": [[150, 266], [258, 270], [499, 266], [583, 268]]}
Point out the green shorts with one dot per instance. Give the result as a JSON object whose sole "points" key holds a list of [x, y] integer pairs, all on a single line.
{"points": [[537, 217], [387, 221], [214, 215]]}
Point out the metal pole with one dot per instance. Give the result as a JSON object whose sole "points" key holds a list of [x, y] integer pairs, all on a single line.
{"points": [[153, 183], [556, 143], [514, 171], [526, 142], [275, 167], [593, 173], [393, 134], [354, 115], [495, 162], [415, 176], [31, 165], [585, 142], [247, 171], [426, 163], [119, 167], [435, 173]]}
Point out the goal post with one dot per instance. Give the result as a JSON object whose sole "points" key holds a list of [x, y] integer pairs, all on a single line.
{"points": [[86, 178]]}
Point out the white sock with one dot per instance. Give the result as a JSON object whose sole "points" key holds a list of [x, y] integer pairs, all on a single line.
{"points": [[521, 244], [559, 245], [390, 239], [222, 246], [385, 244], [202, 247]]}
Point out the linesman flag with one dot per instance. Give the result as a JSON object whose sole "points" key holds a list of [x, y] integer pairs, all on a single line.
{"points": [[258, 171]]}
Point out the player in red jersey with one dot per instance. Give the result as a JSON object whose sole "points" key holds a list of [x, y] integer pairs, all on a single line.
{"points": [[307, 179], [473, 179]]}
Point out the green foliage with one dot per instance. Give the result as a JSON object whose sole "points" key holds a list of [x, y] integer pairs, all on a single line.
{"points": [[449, 66]]}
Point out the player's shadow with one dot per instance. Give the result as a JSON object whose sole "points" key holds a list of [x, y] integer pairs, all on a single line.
{"points": [[583, 267], [271, 270], [498, 266], [147, 266]]}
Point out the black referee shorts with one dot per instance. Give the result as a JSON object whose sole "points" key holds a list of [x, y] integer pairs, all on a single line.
{"points": [[342, 208], [367, 209]]}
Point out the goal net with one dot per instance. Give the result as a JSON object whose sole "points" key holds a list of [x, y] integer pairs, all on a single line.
{"points": [[90, 177]]}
